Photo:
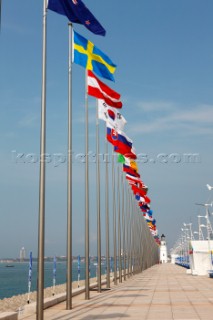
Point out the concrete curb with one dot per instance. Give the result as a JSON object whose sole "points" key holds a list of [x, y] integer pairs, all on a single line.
{"points": [[8, 316], [50, 302]]}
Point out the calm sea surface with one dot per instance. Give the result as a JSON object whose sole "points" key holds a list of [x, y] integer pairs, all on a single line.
{"points": [[14, 280]]}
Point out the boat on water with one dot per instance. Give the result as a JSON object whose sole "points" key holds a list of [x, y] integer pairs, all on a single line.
{"points": [[9, 266], [95, 263]]}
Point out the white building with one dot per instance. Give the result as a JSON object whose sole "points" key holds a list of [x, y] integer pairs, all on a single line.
{"points": [[22, 254], [163, 250], [200, 257]]}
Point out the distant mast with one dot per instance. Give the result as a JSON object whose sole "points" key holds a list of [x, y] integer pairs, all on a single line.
{"points": [[163, 250]]}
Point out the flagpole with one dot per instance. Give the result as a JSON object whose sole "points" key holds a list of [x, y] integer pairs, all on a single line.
{"points": [[131, 236], [119, 229], [0, 13], [107, 216], [41, 223], [98, 201], [69, 178], [141, 239], [114, 221], [128, 229], [123, 227], [130, 224], [87, 295]]}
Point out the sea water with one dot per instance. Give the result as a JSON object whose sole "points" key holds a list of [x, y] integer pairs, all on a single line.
{"points": [[14, 280]]}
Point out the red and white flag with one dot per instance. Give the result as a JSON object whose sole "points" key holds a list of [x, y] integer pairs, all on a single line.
{"points": [[96, 88], [130, 177]]}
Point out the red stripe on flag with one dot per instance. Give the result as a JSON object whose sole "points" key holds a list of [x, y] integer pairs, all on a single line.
{"points": [[100, 90]]}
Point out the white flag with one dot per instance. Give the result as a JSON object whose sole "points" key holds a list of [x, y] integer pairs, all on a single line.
{"points": [[111, 115]]}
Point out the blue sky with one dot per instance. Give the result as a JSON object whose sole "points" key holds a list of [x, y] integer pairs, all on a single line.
{"points": [[164, 53]]}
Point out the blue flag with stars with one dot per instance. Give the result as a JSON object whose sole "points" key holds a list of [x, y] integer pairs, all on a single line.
{"points": [[77, 12]]}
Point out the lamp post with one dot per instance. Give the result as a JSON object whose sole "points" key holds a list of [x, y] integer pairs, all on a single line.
{"points": [[181, 249], [190, 229], [186, 238], [177, 250], [197, 232], [201, 237], [208, 223]]}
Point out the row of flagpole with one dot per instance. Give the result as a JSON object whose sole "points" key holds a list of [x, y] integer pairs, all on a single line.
{"points": [[129, 230], [121, 257], [132, 242]]}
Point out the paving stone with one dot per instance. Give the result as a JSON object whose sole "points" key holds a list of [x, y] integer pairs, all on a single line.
{"points": [[162, 292]]}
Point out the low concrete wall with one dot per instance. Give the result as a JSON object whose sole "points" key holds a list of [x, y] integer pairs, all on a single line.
{"points": [[51, 301], [8, 316]]}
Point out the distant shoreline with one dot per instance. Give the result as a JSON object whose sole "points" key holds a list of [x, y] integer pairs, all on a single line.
{"points": [[48, 259]]}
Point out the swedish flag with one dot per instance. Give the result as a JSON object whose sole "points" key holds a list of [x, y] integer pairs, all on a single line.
{"points": [[86, 54]]}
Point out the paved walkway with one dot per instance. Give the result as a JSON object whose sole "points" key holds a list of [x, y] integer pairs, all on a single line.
{"points": [[162, 292]]}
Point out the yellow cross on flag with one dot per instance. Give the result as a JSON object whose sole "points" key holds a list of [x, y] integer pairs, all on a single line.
{"points": [[86, 54]]}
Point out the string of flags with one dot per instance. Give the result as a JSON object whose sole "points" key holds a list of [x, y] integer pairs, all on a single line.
{"points": [[97, 63]]}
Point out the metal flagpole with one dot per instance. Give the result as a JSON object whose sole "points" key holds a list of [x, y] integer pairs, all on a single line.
{"points": [[69, 179], [0, 13], [129, 226], [127, 229], [41, 223], [87, 295], [107, 217], [119, 229], [136, 231], [131, 236], [141, 242], [114, 221], [136, 239], [98, 201], [123, 228], [132, 231]]}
